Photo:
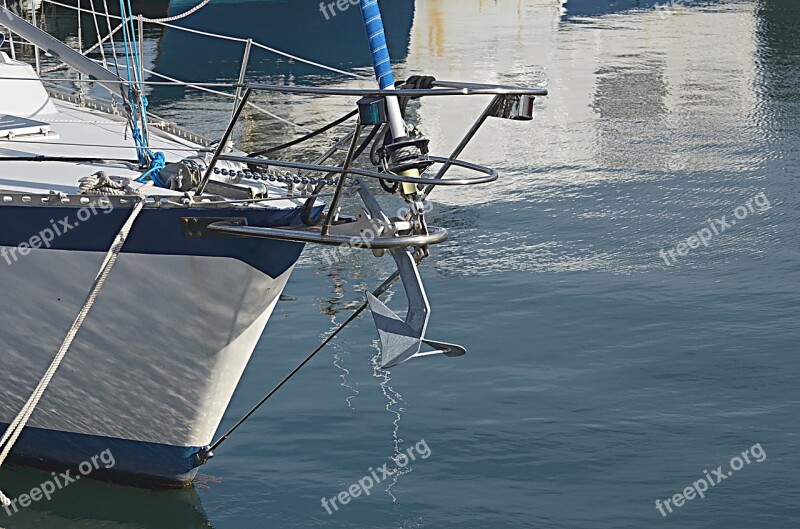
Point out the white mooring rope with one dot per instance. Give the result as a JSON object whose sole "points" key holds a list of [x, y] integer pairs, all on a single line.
{"points": [[101, 184], [15, 429], [185, 14]]}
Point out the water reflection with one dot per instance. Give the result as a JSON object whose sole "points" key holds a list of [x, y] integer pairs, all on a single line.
{"points": [[653, 125], [638, 101], [778, 61], [575, 9], [294, 26], [21, 7], [90, 504]]}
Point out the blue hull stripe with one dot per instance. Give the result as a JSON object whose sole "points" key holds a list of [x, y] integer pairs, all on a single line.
{"points": [[157, 231], [135, 462]]}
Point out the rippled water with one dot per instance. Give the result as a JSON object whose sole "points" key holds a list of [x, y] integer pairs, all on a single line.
{"points": [[599, 377]]}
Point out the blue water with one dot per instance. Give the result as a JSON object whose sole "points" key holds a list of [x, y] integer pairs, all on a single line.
{"points": [[599, 378]]}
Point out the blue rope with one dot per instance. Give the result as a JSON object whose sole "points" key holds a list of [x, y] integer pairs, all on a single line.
{"points": [[155, 160], [157, 163]]}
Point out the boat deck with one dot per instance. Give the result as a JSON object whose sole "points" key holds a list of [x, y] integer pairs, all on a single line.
{"points": [[83, 139]]}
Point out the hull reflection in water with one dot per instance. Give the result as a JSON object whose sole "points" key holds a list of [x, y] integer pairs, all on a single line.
{"points": [[589, 8], [295, 26], [88, 504]]}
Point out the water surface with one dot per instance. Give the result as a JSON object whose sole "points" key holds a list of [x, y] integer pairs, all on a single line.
{"points": [[599, 377]]}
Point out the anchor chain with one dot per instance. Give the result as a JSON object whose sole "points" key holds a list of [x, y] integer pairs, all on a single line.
{"points": [[282, 178]]}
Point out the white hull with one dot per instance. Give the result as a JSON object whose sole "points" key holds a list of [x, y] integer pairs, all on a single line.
{"points": [[159, 355], [156, 361]]}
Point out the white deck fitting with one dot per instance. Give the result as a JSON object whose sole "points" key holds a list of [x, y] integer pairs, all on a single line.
{"points": [[23, 128]]}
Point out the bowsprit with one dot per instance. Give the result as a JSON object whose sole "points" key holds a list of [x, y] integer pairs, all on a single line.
{"points": [[201, 237]]}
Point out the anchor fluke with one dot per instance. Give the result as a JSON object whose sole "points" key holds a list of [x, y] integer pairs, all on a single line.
{"points": [[450, 350], [399, 342], [402, 340]]}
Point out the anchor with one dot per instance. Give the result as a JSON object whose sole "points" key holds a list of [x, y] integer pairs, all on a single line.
{"points": [[402, 340]]}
